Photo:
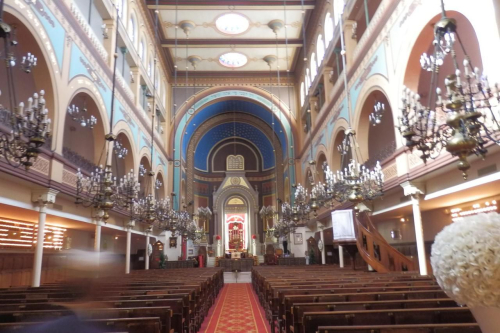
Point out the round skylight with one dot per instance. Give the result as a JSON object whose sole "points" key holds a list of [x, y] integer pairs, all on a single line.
{"points": [[232, 24], [233, 60]]}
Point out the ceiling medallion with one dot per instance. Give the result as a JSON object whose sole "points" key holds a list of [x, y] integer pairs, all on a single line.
{"points": [[232, 24], [233, 60]]}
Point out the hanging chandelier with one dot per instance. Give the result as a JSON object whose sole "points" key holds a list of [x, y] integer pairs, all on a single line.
{"points": [[465, 116], [186, 227], [119, 150], [30, 125], [79, 117], [301, 209], [166, 215], [101, 190], [286, 225]]}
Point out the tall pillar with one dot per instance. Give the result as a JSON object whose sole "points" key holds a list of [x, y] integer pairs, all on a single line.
{"points": [[127, 251], [42, 199], [414, 191], [341, 256], [327, 71], [321, 228], [97, 240], [146, 256], [128, 227]]}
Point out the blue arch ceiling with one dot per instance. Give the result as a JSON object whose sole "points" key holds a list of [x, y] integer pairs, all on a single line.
{"points": [[226, 130], [231, 106]]}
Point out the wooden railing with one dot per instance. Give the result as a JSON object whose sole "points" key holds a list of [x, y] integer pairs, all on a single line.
{"points": [[375, 250]]}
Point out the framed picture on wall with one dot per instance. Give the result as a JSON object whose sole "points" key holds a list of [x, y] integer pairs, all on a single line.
{"points": [[297, 238], [190, 252], [173, 242]]}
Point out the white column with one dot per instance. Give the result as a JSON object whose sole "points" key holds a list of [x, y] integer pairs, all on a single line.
{"points": [[414, 192], [97, 241], [341, 256], [323, 252], [146, 256], [42, 198], [419, 234], [37, 266], [127, 251]]}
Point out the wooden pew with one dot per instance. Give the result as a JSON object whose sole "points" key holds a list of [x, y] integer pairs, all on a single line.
{"points": [[130, 325], [312, 320], [420, 328], [293, 319]]}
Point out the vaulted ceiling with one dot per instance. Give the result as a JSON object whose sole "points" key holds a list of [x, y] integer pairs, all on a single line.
{"points": [[246, 31]]}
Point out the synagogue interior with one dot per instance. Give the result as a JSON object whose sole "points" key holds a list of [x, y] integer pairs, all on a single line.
{"points": [[250, 166]]}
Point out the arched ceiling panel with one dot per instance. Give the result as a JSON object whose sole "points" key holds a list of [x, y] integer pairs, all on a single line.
{"points": [[223, 131], [231, 107]]}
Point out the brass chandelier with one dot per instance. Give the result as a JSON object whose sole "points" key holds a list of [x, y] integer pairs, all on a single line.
{"points": [[286, 224], [469, 105], [29, 125]]}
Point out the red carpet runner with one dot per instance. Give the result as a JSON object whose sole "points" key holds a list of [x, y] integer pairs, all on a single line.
{"points": [[236, 310]]}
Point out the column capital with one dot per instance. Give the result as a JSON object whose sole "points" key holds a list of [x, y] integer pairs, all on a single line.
{"points": [[44, 196], [130, 225], [413, 189]]}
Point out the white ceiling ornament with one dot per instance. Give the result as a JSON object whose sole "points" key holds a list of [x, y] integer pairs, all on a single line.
{"points": [[233, 60], [232, 23]]}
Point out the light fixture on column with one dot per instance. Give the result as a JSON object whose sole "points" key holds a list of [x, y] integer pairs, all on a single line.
{"points": [[79, 117], [29, 125], [100, 190], [267, 214], [469, 104]]}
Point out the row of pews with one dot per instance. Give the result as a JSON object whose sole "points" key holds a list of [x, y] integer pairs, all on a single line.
{"points": [[154, 301], [326, 299]]}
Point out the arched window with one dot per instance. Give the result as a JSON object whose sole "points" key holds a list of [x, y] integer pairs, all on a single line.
{"points": [[142, 50], [320, 48], [314, 67], [132, 29], [338, 9], [328, 29], [302, 94], [122, 7], [308, 79]]}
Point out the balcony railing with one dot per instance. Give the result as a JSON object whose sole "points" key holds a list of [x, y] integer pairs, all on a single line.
{"points": [[381, 154], [78, 160]]}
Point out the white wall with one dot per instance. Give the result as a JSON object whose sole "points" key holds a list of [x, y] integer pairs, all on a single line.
{"points": [[299, 249], [171, 253]]}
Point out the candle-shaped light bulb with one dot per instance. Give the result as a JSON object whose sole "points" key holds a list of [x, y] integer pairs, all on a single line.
{"points": [[20, 109]]}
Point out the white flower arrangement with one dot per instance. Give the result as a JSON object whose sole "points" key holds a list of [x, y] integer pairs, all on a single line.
{"points": [[466, 260]]}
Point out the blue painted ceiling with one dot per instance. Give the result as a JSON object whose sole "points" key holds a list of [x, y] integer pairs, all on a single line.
{"points": [[230, 107], [227, 130]]}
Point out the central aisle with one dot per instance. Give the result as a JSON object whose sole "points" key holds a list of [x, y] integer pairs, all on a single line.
{"points": [[237, 310]]}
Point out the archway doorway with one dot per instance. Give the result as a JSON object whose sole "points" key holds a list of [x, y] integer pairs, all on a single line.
{"points": [[236, 224]]}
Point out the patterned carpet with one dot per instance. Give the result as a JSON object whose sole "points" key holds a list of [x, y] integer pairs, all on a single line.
{"points": [[237, 310]]}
